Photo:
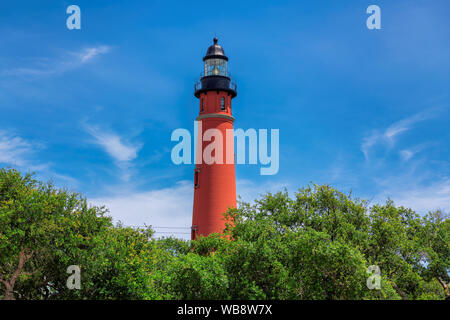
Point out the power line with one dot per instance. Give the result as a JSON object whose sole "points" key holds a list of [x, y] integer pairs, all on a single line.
{"points": [[159, 227], [172, 232], [172, 227]]}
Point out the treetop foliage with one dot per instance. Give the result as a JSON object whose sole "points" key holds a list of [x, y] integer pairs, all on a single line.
{"points": [[317, 244]]}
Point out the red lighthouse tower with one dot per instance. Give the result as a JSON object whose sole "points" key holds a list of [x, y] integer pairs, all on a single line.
{"points": [[214, 183]]}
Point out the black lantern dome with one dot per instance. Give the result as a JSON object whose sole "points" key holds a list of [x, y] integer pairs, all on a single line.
{"points": [[215, 74], [215, 51]]}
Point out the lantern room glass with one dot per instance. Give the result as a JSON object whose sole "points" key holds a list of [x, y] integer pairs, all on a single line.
{"points": [[216, 67]]}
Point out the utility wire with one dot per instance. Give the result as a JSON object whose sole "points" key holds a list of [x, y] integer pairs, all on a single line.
{"points": [[172, 232], [159, 227], [172, 227]]}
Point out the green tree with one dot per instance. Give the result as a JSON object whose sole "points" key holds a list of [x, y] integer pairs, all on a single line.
{"points": [[434, 237], [317, 244], [42, 231], [121, 265]]}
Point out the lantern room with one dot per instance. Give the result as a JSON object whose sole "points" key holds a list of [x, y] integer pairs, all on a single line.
{"points": [[215, 75]]}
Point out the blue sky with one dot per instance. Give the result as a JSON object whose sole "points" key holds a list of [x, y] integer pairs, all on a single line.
{"points": [[93, 109]]}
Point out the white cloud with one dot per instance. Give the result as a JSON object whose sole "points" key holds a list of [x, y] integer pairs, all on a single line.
{"points": [[406, 154], [169, 208], [113, 144], [13, 149], [21, 154], [89, 53], [121, 151], [46, 66], [389, 135], [369, 142], [421, 198], [406, 124]]}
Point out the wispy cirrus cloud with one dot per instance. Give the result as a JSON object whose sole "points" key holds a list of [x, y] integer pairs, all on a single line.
{"points": [[14, 150], [408, 153], [118, 148], [114, 145], [388, 136], [90, 53], [20, 153], [52, 66]]}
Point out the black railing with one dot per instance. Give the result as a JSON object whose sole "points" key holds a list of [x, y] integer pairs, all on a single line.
{"points": [[232, 85]]}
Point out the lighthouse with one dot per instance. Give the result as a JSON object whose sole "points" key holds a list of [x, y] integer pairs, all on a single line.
{"points": [[214, 183]]}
